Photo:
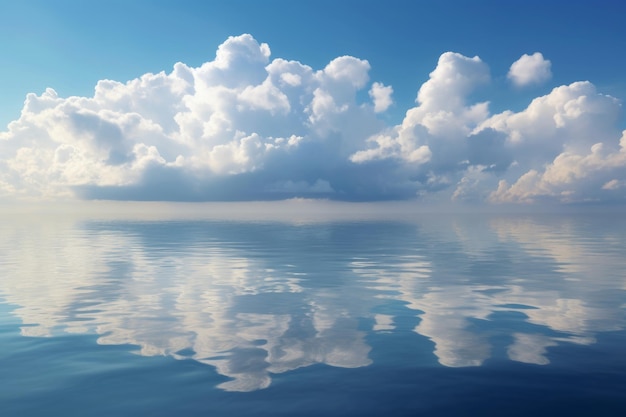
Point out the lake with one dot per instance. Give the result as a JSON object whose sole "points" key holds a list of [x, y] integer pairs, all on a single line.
{"points": [[351, 315]]}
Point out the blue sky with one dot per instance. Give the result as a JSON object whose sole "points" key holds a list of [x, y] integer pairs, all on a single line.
{"points": [[70, 45]]}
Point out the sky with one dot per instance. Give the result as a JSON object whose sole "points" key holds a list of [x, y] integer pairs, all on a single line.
{"points": [[485, 102]]}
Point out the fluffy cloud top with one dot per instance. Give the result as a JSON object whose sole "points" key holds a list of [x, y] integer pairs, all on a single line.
{"points": [[247, 127], [381, 95], [530, 69]]}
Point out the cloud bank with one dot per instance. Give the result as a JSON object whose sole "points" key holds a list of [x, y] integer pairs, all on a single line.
{"points": [[247, 127]]}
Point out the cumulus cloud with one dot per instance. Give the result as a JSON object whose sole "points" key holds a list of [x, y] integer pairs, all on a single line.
{"points": [[578, 156], [381, 95], [570, 177], [530, 69], [245, 126], [441, 115]]}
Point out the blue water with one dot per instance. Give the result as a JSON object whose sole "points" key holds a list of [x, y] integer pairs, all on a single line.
{"points": [[449, 315]]}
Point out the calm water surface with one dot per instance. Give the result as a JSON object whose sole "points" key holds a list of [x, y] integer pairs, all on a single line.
{"points": [[438, 315]]}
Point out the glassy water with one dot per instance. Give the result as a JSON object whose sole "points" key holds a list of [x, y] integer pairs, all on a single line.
{"points": [[436, 315]]}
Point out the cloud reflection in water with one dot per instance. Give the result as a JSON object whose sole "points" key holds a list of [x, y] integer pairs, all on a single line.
{"points": [[256, 299]]}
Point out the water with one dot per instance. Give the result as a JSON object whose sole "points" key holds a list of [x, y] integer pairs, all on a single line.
{"points": [[430, 315]]}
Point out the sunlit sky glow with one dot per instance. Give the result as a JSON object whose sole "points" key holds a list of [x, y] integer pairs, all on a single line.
{"points": [[433, 101]]}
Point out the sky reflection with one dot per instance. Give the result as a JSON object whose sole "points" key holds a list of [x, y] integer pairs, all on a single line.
{"points": [[254, 299]]}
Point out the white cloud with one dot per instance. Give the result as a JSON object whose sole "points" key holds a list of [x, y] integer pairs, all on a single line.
{"points": [[441, 114], [381, 95], [346, 70], [530, 69], [566, 146], [247, 127], [569, 177]]}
